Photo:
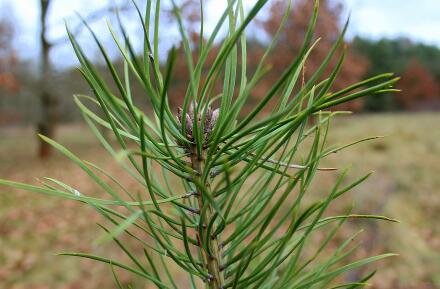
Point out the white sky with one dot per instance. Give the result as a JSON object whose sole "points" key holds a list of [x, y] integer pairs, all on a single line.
{"points": [[416, 19]]}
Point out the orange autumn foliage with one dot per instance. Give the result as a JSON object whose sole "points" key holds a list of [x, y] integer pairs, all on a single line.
{"points": [[328, 29], [420, 89]]}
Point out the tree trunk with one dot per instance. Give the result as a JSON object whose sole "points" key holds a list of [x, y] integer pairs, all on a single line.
{"points": [[49, 104]]}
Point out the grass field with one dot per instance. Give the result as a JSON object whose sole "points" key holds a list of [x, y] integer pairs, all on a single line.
{"points": [[405, 186]]}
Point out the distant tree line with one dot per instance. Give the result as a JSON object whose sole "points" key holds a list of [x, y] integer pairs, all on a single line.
{"points": [[418, 65]]}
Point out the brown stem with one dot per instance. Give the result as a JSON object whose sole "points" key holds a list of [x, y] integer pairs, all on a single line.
{"points": [[212, 262]]}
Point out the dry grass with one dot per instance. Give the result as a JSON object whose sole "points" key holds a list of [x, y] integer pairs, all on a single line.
{"points": [[406, 186]]}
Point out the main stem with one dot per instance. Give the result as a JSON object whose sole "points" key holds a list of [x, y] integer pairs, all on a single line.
{"points": [[211, 260]]}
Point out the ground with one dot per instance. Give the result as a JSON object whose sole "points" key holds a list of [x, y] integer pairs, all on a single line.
{"points": [[405, 186]]}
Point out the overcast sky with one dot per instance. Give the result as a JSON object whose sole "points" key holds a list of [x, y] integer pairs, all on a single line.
{"points": [[416, 19]]}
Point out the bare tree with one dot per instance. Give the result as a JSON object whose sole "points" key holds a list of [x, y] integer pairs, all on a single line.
{"points": [[8, 58], [49, 102], [9, 84]]}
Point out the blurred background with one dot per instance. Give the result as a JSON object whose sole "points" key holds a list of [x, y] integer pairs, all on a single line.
{"points": [[38, 77]]}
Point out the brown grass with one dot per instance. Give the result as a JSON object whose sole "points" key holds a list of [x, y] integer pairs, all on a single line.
{"points": [[406, 186]]}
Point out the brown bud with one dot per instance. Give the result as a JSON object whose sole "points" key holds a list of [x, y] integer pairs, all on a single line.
{"points": [[189, 126], [210, 120], [215, 115], [179, 114], [191, 109]]}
